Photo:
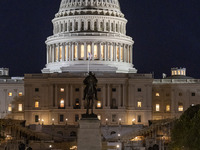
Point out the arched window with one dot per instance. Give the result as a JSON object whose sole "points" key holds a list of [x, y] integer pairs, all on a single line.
{"points": [[95, 26], [82, 26], [89, 25], [73, 134], [37, 104]]}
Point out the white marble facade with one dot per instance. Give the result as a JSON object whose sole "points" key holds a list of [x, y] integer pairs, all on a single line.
{"points": [[89, 26]]}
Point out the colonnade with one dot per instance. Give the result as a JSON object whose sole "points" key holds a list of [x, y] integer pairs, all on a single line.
{"points": [[76, 3], [106, 100], [72, 51], [82, 24]]}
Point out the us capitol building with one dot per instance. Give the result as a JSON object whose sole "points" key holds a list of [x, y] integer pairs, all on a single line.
{"points": [[90, 35]]}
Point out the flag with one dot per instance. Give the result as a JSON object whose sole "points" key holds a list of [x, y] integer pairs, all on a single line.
{"points": [[90, 56]]}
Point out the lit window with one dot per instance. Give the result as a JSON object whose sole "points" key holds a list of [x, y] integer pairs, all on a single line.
{"points": [[98, 104], [88, 50], [157, 107], [19, 107], [77, 102], [10, 107], [75, 52], [60, 56], [102, 51], [95, 51], [62, 103], [139, 104], [179, 72], [157, 94], [82, 51], [180, 108], [20, 93], [99, 117], [36, 104], [62, 90], [10, 94], [167, 107]]}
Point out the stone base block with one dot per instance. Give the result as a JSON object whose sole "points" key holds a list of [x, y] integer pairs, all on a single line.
{"points": [[89, 134]]}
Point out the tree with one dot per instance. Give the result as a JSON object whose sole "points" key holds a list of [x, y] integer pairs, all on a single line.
{"points": [[186, 131]]}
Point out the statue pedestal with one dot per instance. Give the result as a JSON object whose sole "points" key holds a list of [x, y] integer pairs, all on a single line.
{"points": [[89, 134]]}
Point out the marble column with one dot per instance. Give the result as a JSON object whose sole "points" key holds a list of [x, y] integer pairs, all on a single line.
{"points": [[92, 51], [85, 51], [63, 52], [72, 52], [56, 96], [108, 95], [67, 52], [53, 53]]}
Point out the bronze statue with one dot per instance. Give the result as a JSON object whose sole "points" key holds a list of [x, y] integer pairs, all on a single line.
{"points": [[90, 93]]}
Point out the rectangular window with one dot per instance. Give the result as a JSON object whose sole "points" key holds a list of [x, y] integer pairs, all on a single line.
{"points": [[61, 118], [102, 51], [122, 52], [114, 90], [36, 104], [10, 94], [36, 89], [76, 117], [139, 118], [75, 52], [157, 94], [62, 90], [82, 51], [99, 104], [180, 108], [98, 89], [139, 104], [139, 90], [19, 107], [114, 118], [157, 107], [20, 94], [167, 108], [36, 118], [88, 50], [95, 51], [193, 94], [62, 103], [10, 107], [77, 89]]}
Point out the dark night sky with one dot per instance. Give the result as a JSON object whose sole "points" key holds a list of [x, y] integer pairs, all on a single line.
{"points": [[166, 34]]}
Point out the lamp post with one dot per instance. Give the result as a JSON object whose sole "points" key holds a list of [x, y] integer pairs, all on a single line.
{"points": [[66, 120], [106, 121], [133, 121], [120, 120], [53, 121]]}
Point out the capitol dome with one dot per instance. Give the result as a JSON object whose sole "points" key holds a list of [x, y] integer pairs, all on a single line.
{"points": [[89, 35]]}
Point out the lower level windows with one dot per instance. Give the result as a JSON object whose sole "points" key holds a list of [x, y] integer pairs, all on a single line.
{"points": [[36, 118], [10, 107], [19, 107], [157, 107], [76, 118], [61, 118], [139, 118]]}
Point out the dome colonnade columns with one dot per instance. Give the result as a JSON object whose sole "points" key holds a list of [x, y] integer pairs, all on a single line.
{"points": [[89, 26]]}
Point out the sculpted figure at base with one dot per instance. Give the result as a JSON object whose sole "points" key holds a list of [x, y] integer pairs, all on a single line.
{"points": [[90, 93]]}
